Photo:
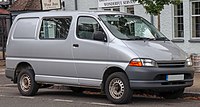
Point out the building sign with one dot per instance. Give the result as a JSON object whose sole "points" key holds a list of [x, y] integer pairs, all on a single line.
{"points": [[4, 2], [51, 4], [111, 3]]}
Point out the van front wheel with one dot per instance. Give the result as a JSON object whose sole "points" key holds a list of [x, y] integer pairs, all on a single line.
{"points": [[117, 88], [26, 82]]}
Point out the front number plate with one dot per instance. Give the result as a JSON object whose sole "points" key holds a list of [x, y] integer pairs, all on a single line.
{"points": [[175, 77]]}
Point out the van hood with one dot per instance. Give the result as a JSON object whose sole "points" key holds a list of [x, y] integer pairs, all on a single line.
{"points": [[157, 50]]}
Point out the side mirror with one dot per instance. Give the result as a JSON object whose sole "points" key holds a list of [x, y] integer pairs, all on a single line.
{"points": [[99, 36]]}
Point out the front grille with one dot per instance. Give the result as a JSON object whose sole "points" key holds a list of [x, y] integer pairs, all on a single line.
{"points": [[171, 64]]}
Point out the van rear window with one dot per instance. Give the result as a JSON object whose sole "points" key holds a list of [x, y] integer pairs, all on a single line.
{"points": [[25, 28]]}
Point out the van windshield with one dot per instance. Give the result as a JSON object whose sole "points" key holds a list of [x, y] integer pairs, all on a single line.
{"points": [[129, 27]]}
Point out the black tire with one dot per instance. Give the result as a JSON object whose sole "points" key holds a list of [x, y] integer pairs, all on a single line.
{"points": [[172, 94], [26, 82], [117, 88]]}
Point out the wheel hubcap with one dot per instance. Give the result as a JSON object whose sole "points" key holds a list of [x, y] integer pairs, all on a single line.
{"points": [[25, 82], [116, 88]]}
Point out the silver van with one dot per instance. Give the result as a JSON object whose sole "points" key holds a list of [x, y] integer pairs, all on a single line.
{"points": [[112, 51]]}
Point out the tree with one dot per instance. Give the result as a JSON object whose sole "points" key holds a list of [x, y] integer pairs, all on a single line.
{"points": [[154, 7]]}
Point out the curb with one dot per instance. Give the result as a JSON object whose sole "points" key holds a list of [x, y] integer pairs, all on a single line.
{"points": [[9, 85], [192, 94], [2, 70]]}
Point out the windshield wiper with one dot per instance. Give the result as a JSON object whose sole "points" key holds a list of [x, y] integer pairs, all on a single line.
{"points": [[162, 39], [139, 38]]}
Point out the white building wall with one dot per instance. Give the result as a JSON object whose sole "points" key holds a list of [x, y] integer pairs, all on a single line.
{"points": [[69, 5], [85, 5], [166, 22], [82, 5], [187, 46]]}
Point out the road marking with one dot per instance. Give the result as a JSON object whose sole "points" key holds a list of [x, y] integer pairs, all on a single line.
{"points": [[61, 100], [26, 97], [2, 95], [198, 93], [2, 73], [8, 85], [102, 104]]}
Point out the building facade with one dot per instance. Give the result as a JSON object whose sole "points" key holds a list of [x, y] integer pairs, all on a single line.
{"points": [[180, 23]]}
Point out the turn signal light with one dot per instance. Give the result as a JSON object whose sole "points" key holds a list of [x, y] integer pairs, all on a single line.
{"points": [[135, 63], [139, 62]]}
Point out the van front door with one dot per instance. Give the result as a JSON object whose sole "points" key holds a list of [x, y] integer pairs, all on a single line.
{"points": [[90, 55]]}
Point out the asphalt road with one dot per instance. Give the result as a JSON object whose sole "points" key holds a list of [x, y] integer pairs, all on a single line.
{"points": [[10, 97]]}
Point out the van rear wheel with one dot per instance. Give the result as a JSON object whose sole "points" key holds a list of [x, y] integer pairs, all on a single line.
{"points": [[26, 82], [117, 88]]}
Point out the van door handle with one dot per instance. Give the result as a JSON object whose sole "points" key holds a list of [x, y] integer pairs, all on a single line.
{"points": [[75, 45]]}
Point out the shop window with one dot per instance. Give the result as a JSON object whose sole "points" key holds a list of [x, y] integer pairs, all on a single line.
{"points": [[1, 29], [94, 9], [195, 19], [112, 9], [130, 9], [178, 21]]}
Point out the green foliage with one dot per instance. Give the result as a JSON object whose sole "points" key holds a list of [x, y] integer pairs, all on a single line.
{"points": [[154, 7]]}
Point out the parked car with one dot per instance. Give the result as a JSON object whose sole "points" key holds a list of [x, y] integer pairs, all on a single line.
{"points": [[112, 51]]}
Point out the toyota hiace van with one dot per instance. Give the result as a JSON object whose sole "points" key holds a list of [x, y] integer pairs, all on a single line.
{"points": [[112, 51]]}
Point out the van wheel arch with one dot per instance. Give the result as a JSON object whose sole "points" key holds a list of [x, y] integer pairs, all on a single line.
{"points": [[107, 73], [19, 67]]}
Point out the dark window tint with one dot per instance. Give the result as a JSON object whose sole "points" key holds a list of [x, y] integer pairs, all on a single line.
{"points": [[55, 28], [86, 27], [178, 21], [196, 19], [196, 8]]}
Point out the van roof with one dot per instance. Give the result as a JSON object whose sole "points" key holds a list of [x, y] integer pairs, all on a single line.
{"points": [[66, 13]]}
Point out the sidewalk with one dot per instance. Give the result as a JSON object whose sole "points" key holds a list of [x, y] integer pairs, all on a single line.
{"points": [[195, 89]]}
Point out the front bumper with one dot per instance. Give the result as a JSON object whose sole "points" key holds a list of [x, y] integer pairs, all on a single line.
{"points": [[155, 78]]}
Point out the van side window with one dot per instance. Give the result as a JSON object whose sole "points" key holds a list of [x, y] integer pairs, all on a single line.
{"points": [[86, 27], [55, 28]]}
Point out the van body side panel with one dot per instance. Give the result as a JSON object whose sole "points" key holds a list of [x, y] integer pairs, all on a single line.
{"points": [[49, 58], [23, 29]]}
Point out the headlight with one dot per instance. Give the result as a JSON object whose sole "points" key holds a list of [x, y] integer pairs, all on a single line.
{"points": [[188, 62], [143, 62]]}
